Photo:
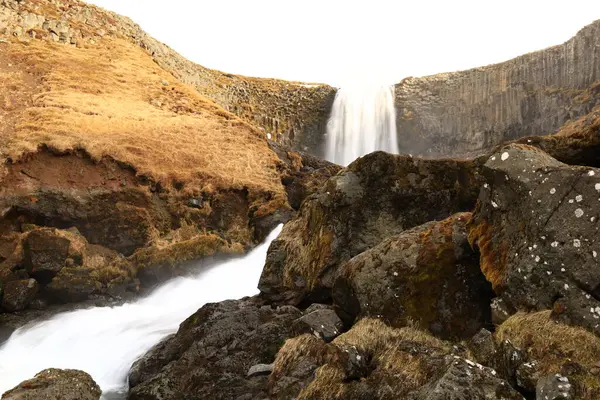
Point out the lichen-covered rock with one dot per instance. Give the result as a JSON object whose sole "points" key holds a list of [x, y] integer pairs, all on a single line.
{"points": [[428, 274], [554, 387], [212, 352], [18, 294], [483, 347], [374, 361], [536, 227], [377, 196], [56, 384], [465, 380]]}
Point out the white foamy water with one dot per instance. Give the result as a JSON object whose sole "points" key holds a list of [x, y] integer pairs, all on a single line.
{"points": [[105, 341], [363, 119]]}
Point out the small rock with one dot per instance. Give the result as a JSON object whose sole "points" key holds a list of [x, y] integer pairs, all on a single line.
{"points": [[260, 369], [528, 374], [164, 83], [554, 387], [500, 311], [195, 203], [483, 347], [325, 323], [56, 384]]}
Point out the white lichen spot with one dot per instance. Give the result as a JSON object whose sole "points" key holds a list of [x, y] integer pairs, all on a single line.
{"points": [[494, 158], [552, 191], [395, 273], [593, 219], [494, 204], [579, 198], [554, 244], [535, 246], [537, 258], [505, 156], [576, 242], [562, 270], [579, 213], [571, 201], [597, 186], [485, 185], [549, 272], [566, 287], [595, 253], [591, 173]]}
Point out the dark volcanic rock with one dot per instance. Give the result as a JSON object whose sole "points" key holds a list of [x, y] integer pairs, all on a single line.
{"points": [[465, 380], [377, 196], [428, 274], [56, 384], [536, 225], [554, 387], [18, 294], [211, 354], [324, 323]]}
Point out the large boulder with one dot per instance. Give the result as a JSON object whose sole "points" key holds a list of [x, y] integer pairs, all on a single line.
{"points": [[375, 361], [212, 352], [56, 384], [377, 196], [536, 226], [428, 274]]}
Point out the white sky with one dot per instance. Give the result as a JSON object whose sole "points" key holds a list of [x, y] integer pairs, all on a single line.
{"points": [[340, 41]]}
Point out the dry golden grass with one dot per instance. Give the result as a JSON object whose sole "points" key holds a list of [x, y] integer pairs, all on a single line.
{"points": [[549, 342], [553, 344], [387, 348], [110, 99]]}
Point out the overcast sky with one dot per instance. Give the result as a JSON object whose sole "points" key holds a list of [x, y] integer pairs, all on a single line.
{"points": [[340, 41]]}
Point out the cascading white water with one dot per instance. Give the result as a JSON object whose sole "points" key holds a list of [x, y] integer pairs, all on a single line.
{"points": [[105, 341], [363, 119]]}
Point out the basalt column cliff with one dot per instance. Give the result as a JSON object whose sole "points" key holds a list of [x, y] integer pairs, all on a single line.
{"points": [[461, 113]]}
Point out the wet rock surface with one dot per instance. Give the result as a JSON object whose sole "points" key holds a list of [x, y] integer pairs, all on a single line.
{"points": [[56, 384]]}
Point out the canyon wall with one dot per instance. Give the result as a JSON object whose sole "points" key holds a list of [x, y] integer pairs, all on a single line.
{"points": [[291, 113], [462, 113]]}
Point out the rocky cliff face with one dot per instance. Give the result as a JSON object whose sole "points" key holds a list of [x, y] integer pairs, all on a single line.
{"points": [[534, 94], [291, 113]]}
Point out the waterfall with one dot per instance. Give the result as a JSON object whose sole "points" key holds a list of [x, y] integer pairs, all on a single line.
{"points": [[105, 341], [363, 119]]}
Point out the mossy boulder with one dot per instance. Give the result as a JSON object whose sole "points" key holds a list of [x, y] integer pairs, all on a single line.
{"points": [[428, 274], [377, 196], [56, 384], [536, 226]]}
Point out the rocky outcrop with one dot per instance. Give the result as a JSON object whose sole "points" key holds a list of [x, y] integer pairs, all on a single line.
{"points": [[56, 384], [291, 113], [375, 197], [471, 111], [212, 352], [536, 224], [428, 275], [375, 361]]}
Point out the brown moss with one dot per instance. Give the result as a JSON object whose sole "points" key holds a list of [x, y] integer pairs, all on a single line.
{"points": [[493, 256]]}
